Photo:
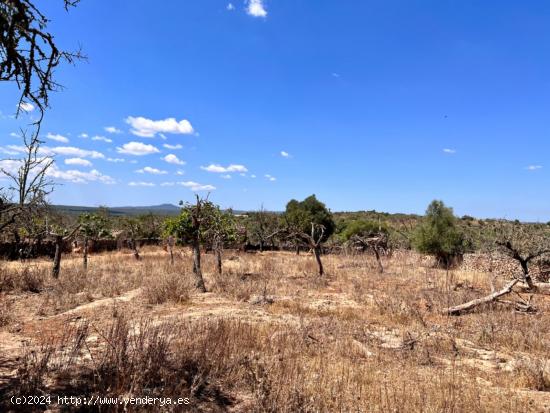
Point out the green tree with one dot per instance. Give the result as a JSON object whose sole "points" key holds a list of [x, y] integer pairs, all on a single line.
{"points": [[190, 227], [92, 226], [309, 223], [439, 235]]}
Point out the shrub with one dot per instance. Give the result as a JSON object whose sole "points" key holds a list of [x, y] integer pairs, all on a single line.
{"points": [[438, 235], [168, 287]]}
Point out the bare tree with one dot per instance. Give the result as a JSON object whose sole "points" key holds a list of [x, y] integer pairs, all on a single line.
{"points": [[25, 197], [263, 227], [377, 243], [28, 53]]}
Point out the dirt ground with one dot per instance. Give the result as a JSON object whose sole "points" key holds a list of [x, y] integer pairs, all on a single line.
{"points": [[270, 335]]}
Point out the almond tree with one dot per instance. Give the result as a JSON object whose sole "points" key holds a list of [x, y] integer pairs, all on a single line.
{"points": [[92, 226], [25, 197], [263, 226], [367, 235], [221, 229], [190, 227]]}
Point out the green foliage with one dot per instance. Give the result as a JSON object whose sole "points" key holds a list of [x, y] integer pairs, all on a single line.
{"points": [[299, 217], [94, 225], [438, 235], [200, 221], [222, 227], [362, 228]]}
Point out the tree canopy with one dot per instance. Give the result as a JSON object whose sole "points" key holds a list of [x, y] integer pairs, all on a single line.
{"points": [[439, 235]]}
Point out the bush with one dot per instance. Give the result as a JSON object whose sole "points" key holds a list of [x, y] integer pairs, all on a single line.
{"points": [[170, 287], [438, 235]]}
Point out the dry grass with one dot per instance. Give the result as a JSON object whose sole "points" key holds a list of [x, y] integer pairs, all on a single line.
{"points": [[355, 340]]}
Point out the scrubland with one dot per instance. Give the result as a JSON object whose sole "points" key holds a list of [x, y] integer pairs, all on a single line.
{"points": [[270, 335]]}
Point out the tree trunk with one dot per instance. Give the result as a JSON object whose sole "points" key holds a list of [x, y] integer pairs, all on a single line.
{"points": [[85, 253], [261, 246], [527, 276], [57, 256], [377, 255], [171, 255], [135, 250], [297, 249], [219, 259], [317, 252], [199, 281]]}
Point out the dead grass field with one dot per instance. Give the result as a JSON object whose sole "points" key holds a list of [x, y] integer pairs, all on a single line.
{"points": [[270, 336]]}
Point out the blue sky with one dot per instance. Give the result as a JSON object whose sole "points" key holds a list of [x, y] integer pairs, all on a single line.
{"points": [[380, 105]]}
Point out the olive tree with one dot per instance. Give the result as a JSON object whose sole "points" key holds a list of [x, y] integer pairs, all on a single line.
{"points": [[438, 235], [525, 243], [309, 223]]}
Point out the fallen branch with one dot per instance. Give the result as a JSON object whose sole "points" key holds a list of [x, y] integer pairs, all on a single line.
{"points": [[538, 288], [457, 310]]}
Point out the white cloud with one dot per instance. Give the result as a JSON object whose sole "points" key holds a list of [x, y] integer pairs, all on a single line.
{"points": [[102, 138], [226, 176], [10, 165], [150, 170], [168, 184], [449, 151], [141, 184], [77, 152], [148, 128], [336, 75], [223, 170], [83, 135], [533, 167], [194, 186], [180, 172], [115, 160], [112, 129], [256, 8], [78, 161], [168, 146], [79, 176], [8, 151], [26, 107], [173, 159], [230, 7], [285, 154], [137, 149], [253, 176], [271, 178], [58, 138], [15, 135]]}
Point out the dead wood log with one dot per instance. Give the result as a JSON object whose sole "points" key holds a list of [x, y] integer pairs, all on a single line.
{"points": [[459, 309], [538, 288]]}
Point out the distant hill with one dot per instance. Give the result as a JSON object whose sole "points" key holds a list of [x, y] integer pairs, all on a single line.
{"points": [[163, 209]]}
